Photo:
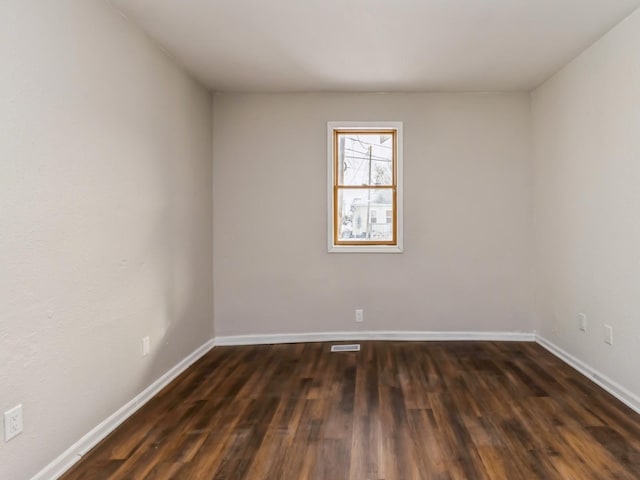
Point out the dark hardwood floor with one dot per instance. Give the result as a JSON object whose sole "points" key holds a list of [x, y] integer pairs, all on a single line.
{"points": [[395, 410]]}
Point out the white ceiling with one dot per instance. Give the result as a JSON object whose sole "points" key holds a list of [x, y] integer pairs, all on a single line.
{"points": [[374, 45]]}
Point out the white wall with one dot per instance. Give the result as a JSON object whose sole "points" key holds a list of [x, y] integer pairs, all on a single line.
{"points": [[587, 197], [467, 226], [105, 220]]}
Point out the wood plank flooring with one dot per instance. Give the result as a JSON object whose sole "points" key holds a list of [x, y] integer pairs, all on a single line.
{"points": [[394, 410]]}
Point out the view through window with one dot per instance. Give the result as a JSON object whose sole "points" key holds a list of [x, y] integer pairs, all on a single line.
{"points": [[365, 197], [364, 186]]}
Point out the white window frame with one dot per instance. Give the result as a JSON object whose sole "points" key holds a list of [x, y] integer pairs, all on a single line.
{"points": [[333, 248]]}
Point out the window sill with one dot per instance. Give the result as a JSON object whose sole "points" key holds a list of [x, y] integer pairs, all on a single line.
{"points": [[365, 249]]}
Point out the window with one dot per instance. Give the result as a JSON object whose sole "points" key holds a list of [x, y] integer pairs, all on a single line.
{"points": [[364, 182]]}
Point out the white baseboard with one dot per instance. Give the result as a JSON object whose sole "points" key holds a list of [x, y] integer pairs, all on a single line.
{"points": [[74, 453], [419, 336], [625, 396]]}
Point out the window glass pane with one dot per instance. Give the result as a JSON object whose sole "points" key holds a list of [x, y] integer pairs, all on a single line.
{"points": [[365, 159], [356, 206]]}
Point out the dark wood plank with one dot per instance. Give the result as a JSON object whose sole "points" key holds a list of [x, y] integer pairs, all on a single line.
{"points": [[393, 411]]}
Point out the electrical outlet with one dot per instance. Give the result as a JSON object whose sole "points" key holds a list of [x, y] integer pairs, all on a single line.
{"points": [[12, 422], [582, 322], [146, 346], [608, 334], [359, 315]]}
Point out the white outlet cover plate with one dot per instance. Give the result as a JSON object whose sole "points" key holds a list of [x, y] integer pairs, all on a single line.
{"points": [[608, 334], [146, 346], [582, 322], [12, 422]]}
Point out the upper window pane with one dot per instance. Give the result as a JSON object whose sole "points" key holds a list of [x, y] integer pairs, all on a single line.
{"points": [[365, 158]]}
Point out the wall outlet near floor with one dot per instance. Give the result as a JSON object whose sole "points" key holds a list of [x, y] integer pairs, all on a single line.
{"points": [[359, 315], [582, 322], [608, 334], [146, 346], [12, 422]]}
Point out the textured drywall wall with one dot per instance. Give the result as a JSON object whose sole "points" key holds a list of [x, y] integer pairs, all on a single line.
{"points": [[586, 121], [467, 216], [105, 220]]}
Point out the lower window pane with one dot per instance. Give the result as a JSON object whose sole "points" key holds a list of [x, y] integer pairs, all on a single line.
{"points": [[365, 215]]}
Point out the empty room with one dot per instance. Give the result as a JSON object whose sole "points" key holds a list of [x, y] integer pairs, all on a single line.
{"points": [[337, 240]]}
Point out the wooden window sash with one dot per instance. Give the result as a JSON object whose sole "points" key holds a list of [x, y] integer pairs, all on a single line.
{"points": [[392, 186]]}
